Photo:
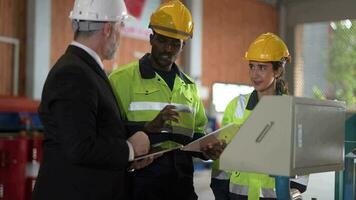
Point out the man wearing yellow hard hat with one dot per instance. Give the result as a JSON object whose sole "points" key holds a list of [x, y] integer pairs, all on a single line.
{"points": [[155, 96], [267, 57]]}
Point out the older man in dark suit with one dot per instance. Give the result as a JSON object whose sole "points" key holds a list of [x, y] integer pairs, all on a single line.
{"points": [[86, 148]]}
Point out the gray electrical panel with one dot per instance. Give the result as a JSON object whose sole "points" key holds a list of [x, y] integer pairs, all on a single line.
{"points": [[289, 136]]}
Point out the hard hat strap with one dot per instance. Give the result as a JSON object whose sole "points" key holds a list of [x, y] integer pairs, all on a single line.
{"points": [[87, 25], [162, 28]]}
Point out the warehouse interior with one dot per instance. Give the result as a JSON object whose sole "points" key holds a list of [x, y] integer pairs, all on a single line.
{"points": [[320, 35]]}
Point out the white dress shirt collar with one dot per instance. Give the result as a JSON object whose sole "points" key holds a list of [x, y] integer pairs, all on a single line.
{"points": [[90, 52]]}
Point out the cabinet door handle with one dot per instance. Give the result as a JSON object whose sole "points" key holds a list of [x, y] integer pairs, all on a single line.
{"points": [[264, 132]]}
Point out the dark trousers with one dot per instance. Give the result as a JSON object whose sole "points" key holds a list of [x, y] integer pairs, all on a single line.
{"points": [[220, 189], [170, 187]]}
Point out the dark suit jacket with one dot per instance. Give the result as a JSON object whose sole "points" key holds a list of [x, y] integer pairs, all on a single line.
{"points": [[85, 150]]}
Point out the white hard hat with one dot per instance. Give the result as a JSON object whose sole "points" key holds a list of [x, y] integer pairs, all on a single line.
{"points": [[99, 10]]}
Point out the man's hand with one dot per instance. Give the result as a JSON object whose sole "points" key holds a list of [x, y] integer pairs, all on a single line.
{"points": [[214, 150], [140, 143], [158, 124]]}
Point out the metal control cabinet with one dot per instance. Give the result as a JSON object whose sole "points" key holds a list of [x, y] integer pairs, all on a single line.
{"points": [[289, 136]]}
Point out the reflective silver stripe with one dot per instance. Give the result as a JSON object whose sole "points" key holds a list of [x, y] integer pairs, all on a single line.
{"points": [[243, 190], [303, 180], [268, 193], [219, 174], [148, 105], [239, 189], [240, 107]]}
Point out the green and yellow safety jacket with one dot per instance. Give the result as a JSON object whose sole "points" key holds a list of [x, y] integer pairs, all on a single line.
{"points": [[141, 94]]}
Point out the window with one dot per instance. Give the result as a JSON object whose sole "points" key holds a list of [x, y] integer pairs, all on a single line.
{"points": [[223, 93], [325, 66]]}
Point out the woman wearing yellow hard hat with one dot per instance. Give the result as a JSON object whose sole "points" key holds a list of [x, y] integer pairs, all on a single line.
{"points": [[267, 57]]}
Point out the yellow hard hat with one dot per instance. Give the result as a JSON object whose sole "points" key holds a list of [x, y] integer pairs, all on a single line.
{"points": [[172, 19], [268, 47]]}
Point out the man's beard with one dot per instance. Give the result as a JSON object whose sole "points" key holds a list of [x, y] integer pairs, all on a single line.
{"points": [[111, 52]]}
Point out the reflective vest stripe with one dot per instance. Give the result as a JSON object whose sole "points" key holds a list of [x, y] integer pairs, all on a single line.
{"points": [[268, 193], [148, 105], [239, 189], [241, 106], [243, 191]]}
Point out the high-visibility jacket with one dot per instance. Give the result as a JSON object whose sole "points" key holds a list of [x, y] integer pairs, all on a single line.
{"points": [[141, 94], [234, 113], [253, 185]]}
